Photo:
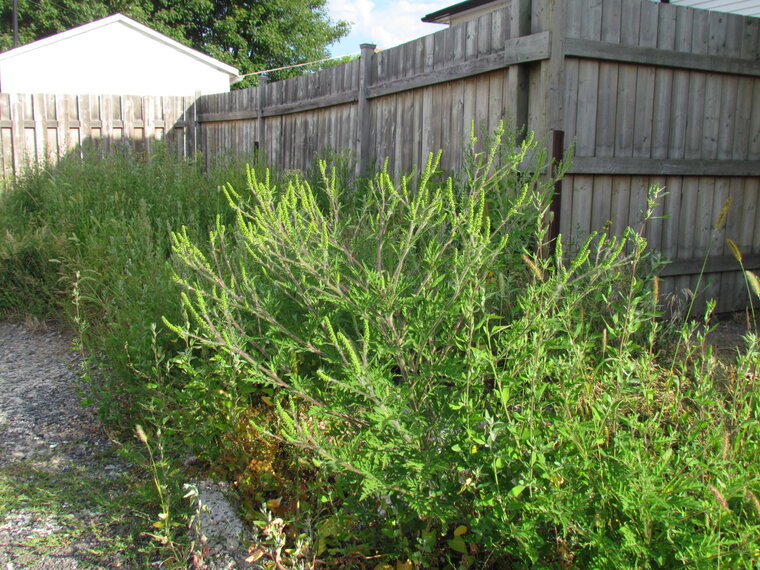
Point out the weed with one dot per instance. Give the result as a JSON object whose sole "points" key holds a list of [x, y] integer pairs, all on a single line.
{"points": [[396, 368], [447, 375]]}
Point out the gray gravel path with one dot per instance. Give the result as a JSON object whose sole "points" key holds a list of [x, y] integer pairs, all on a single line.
{"points": [[60, 480], [54, 456]]}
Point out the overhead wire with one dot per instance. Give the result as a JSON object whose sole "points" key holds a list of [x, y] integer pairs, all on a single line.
{"points": [[298, 65]]}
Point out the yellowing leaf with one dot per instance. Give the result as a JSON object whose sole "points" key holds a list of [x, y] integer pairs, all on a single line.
{"points": [[267, 400], [158, 524], [408, 565], [460, 530], [466, 484], [274, 503]]}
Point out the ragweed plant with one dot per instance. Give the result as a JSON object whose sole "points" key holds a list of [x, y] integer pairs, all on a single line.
{"points": [[471, 398]]}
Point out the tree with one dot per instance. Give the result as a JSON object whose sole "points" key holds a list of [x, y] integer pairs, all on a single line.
{"points": [[252, 35]]}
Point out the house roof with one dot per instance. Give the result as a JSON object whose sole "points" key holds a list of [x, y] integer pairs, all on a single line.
{"points": [[444, 13], [743, 7], [123, 20]]}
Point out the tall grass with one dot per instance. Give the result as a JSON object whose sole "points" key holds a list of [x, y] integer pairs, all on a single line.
{"points": [[102, 226]]}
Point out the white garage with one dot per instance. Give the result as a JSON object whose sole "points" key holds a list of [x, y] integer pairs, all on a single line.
{"points": [[114, 55]]}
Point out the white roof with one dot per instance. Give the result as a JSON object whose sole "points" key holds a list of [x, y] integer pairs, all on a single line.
{"points": [[743, 7], [122, 20]]}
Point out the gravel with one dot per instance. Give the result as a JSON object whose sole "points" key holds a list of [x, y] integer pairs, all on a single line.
{"points": [[46, 433]]}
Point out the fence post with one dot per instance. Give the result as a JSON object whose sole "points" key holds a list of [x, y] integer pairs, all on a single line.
{"points": [[519, 80], [193, 128], [365, 75], [260, 130], [555, 209], [552, 70]]}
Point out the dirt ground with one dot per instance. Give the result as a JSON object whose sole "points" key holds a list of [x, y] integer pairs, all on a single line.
{"points": [[730, 330]]}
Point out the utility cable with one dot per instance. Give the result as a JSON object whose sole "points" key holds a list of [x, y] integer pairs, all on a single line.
{"points": [[298, 64]]}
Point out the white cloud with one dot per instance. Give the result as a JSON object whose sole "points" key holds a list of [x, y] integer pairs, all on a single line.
{"points": [[382, 22]]}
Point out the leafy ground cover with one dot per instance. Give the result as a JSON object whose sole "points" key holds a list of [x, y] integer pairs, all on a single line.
{"points": [[398, 372]]}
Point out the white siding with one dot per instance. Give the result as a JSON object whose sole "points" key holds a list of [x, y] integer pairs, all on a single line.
{"points": [[475, 13], [115, 58]]}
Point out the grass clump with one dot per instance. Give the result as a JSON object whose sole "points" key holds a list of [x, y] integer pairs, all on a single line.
{"points": [[88, 242], [102, 520], [97, 232]]}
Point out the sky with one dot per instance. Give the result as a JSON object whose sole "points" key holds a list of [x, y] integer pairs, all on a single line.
{"points": [[386, 23]]}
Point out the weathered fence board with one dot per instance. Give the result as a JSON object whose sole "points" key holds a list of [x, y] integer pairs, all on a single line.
{"points": [[44, 128]]}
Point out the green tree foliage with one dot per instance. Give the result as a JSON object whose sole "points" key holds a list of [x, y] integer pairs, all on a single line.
{"points": [[251, 35]]}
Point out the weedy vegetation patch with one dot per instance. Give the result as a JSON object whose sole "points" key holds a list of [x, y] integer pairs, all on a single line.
{"points": [[396, 373]]}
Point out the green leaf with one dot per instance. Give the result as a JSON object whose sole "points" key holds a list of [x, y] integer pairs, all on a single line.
{"points": [[458, 544]]}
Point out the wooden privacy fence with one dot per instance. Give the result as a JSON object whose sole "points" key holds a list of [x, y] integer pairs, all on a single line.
{"points": [[649, 93], [43, 128]]}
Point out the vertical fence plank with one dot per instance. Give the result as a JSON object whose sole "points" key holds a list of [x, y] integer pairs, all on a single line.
{"points": [[36, 127], [517, 79], [482, 82], [730, 189], [627, 74], [61, 103], [426, 135], [457, 128], [642, 109], [496, 112], [661, 117], [645, 84], [19, 137], [693, 146], [48, 148], [673, 210], [32, 133], [363, 144], [588, 98], [6, 138], [606, 109]]}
